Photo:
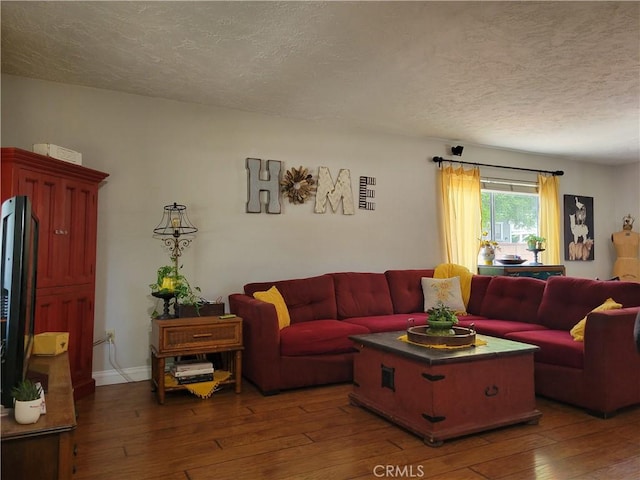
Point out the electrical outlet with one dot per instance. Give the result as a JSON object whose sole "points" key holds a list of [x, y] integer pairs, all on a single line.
{"points": [[111, 336]]}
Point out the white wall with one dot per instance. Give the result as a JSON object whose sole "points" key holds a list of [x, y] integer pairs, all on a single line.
{"points": [[158, 151], [626, 188]]}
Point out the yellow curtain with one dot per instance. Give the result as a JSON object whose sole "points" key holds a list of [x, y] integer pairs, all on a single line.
{"points": [[461, 212], [549, 218]]}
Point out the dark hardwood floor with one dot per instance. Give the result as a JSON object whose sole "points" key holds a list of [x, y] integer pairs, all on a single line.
{"points": [[314, 434]]}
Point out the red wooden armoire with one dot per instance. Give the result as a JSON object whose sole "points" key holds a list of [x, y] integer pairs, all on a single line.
{"points": [[65, 199]]}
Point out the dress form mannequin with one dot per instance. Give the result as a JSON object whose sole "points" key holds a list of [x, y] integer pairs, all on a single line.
{"points": [[627, 245]]}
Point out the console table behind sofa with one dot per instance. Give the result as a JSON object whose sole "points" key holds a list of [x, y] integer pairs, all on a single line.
{"points": [[541, 272]]}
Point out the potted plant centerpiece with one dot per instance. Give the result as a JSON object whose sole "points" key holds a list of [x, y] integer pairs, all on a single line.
{"points": [[27, 402], [440, 320]]}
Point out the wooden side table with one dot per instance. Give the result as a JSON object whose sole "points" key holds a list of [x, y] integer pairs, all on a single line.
{"points": [[192, 336]]}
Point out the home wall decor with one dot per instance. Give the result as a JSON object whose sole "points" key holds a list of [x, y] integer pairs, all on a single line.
{"points": [[341, 190], [578, 228], [366, 193], [256, 185], [298, 185]]}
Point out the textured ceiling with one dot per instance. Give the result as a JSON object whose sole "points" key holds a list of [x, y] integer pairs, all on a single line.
{"points": [[558, 78]]}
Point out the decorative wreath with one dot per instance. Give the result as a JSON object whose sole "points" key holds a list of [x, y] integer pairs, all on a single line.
{"points": [[298, 185]]}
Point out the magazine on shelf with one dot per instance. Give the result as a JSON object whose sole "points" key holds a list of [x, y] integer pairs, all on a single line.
{"points": [[187, 373], [186, 365], [207, 377]]}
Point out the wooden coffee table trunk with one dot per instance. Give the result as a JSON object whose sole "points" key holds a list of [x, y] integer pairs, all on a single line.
{"points": [[442, 394]]}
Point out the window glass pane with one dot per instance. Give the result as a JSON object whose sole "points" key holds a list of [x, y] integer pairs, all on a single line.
{"points": [[508, 218]]}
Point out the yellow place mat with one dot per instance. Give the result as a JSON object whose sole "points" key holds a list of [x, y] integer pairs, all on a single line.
{"points": [[201, 389], [477, 343]]}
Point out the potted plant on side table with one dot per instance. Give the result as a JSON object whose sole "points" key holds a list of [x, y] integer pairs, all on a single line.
{"points": [[170, 284], [27, 396]]}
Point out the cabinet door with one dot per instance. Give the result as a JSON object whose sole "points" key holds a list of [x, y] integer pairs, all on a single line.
{"points": [[43, 190], [70, 310], [77, 212]]}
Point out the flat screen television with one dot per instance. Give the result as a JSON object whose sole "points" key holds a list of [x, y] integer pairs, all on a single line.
{"points": [[18, 291]]}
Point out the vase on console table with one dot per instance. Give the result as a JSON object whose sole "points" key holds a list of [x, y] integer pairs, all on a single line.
{"points": [[487, 255]]}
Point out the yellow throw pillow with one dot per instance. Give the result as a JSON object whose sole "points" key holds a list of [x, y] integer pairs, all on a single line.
{"points": [[577, 332], [274, 297]]}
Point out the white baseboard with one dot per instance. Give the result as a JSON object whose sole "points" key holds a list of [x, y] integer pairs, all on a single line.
{"points": [[111, 377]]}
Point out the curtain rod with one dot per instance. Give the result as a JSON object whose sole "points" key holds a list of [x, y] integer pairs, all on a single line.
{"points": [[439, 160]]}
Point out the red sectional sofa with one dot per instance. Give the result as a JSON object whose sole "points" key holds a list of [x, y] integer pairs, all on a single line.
{"points": [[601, 374]]}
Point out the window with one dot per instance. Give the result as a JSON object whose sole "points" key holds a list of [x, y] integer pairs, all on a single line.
{"points": [[509, 214]]}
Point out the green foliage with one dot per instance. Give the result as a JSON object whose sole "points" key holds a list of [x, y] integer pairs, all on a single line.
{"points": [[441, 313], [184, 293], [26, 391], [534, 239], [167, 271]]}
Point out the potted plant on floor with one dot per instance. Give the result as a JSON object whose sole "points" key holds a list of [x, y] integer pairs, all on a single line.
{"points": [[440, 320], [27, 402]]}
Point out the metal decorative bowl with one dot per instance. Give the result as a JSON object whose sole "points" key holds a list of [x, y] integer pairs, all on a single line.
{"points": [[510, 261], [462, 337]]}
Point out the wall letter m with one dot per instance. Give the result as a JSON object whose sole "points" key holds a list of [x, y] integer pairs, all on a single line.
{"points": [[341, 190]]}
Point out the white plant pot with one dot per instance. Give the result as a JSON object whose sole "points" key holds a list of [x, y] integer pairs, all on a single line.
{"points": [[27, 412]]}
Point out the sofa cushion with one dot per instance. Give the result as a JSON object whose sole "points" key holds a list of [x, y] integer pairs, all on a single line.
{"points": [[577, 332], [389, 323], [566, 300], [468, 320], [406, 290], [556, 347], [362, 294], [479, 285], [307, 299], [273, 296], [445, 291], [497, 328], [513, 298], [320, 337]]}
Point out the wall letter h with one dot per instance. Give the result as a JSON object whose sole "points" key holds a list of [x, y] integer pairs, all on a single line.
{"points": [[256, 185]]}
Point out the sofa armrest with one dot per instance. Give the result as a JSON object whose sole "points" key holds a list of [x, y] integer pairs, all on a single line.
{"points": [[261, 338], [611, 360], [258, 316]]}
